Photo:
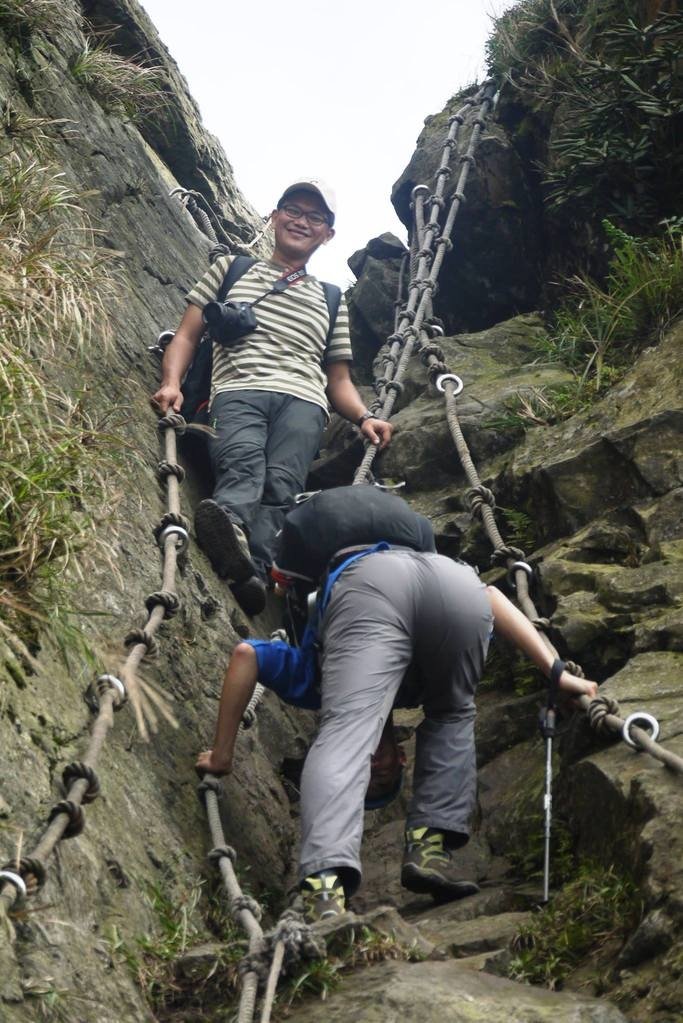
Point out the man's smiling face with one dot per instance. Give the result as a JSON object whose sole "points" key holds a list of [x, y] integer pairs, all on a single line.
{"points": [[296, 238]]}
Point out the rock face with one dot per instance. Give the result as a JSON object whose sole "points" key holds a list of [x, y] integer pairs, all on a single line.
{"points": [[494, 269], [391, 992], [597, 501]]}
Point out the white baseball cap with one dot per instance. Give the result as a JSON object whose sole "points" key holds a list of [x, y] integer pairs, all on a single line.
{"points": [[318, 187]]}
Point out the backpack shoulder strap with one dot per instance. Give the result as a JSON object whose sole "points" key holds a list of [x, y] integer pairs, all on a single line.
{"points": [[237, 269], [333, 298]]}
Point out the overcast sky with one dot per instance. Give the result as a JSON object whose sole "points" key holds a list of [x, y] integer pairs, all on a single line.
{"points": [[325, 89]]}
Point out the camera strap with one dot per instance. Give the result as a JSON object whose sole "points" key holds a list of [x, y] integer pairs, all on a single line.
{"points": [[284, 282]]}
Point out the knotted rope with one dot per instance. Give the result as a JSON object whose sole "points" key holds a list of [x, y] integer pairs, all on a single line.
{"points": [[172, 536], [224, 856], [24, 877], [414, 331], [432, 246]]}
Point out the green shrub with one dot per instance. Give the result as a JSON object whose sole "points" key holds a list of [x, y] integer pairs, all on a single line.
{"points": [[608, 75], [598, 908], [642, 295]]}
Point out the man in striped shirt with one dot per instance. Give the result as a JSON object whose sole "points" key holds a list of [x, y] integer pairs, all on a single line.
{"points": [[269, 392]]}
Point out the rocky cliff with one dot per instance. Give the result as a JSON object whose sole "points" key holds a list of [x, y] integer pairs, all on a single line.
{"points": [[129, 925]]}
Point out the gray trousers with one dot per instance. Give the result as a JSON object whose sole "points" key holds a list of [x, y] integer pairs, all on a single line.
{"points": [[261, 455], [386, 611]]}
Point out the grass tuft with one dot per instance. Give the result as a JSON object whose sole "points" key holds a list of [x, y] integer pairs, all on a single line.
{"points": [[588, 917], [122, 86], [58, 456], [22, 15]]}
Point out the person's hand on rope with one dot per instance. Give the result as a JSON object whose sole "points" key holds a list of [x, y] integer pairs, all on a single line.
{"points": [[377, 431], [169, 397], [572, 685], [209, 762]]}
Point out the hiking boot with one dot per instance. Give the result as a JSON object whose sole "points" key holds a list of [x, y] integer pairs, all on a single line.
{"points": [[223, 542], [428, 867], [323, 896], [250, 594]]}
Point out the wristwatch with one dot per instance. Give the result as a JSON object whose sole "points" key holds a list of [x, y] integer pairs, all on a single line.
{"points": [[364, 418]]}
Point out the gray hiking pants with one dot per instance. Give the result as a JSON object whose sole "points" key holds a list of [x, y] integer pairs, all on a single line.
{"points": [[261, 455], [387, 610]]}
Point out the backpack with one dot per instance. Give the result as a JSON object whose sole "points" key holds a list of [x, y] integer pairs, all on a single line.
{"points": [[346, 517], [197, 381]]}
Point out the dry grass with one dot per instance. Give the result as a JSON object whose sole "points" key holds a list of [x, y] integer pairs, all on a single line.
{"points": [[56, 455], [122, 86]]}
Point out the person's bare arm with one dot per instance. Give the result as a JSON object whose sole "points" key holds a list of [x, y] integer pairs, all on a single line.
{"points": [[345, 399], [177, 358], [515, 627], [238, 688]]}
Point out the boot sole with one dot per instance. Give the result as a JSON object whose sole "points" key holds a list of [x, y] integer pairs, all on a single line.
{"points": [[216, 537], [424, 882]]}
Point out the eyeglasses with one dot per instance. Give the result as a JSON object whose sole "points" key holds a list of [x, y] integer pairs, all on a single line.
{"points": [[314, 218]]}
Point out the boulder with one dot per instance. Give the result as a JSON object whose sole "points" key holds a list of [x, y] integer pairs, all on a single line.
{"points": [[392, 992]]}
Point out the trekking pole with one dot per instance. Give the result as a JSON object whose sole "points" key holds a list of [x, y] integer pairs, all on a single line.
{"points": [[547, 720]]}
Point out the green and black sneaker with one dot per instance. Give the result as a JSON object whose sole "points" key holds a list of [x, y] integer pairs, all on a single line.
{"points": [[323, 896], [428, 867]]}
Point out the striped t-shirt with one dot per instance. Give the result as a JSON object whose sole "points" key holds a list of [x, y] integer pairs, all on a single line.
{"points": [[286, 353]]}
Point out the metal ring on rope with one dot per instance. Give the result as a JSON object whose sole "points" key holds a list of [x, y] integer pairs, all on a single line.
{"points": [[443, 377], [524, 566], [105, 682], [643, 720], [419, 190], [10, 877], [179, 531]]}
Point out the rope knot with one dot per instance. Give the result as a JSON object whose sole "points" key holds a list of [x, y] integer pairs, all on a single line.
{"points": [[144, 638], [396, 386], [209, 783], [430, 350], [76, 771], [468, 158], [598, 709], [74, 811], [165, 469], [444, 172], [480, 496], [436, 200], [436, 369], [167, 599], [456, 119], [245, 902], [541, 624], [220, 852], [172, 421], [460, 196], [445, 242], [507, 553]]}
